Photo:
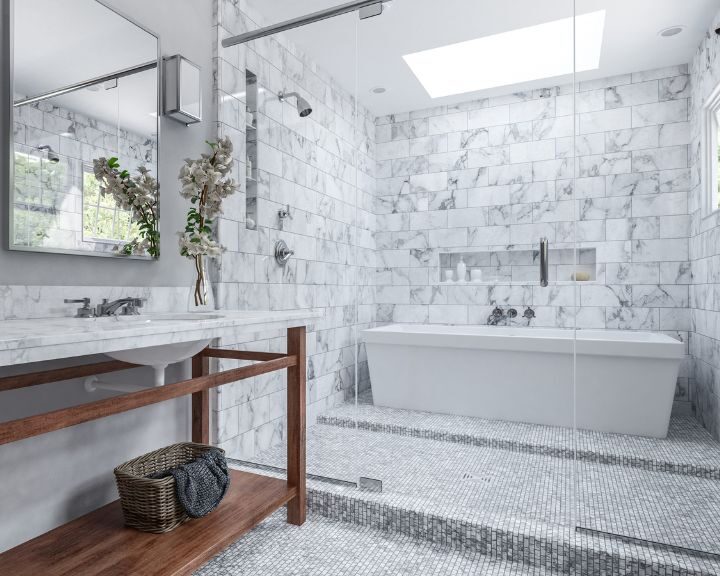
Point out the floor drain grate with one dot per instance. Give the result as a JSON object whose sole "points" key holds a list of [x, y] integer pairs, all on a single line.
{"points": [[469, 477]]}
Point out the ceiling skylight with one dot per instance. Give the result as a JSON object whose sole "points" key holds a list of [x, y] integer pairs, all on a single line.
{"points": [[522, 55]]}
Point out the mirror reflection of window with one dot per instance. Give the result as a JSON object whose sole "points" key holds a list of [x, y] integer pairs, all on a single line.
{"points": [[103, 221]]}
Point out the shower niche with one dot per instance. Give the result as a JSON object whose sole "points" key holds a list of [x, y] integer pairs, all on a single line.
{"points": [[251, 147], [566, 266]]}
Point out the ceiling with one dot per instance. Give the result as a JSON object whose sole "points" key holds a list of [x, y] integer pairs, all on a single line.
{"points": [[374, 48], [57, 44]]}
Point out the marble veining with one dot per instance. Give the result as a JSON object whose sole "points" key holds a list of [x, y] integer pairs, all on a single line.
{"points": [[35, 340]]}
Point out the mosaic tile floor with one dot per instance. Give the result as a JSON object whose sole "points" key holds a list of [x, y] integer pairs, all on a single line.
{"points": [[500, 486], [325, 547], [506, 487], [689, 448]]}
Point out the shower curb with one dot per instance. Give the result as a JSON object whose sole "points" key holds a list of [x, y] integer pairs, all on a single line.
{"points": [[567, 553], [706, 472]]}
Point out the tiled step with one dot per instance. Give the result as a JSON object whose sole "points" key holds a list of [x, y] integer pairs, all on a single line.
{"points": [[323, 546], [512, 490], [689, 449], [536, 546]]}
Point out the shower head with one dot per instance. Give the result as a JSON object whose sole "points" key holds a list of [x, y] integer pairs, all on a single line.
{"points": [[52, 156], [303, 106]]}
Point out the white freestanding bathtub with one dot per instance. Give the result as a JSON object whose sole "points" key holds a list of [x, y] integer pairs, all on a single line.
{"points": [[625, 380]]}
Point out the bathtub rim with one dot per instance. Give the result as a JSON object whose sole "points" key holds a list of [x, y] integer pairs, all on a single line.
{"points": [[595, 342]]}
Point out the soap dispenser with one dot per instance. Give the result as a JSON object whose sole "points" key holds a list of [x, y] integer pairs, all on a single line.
{"points": [[461, 270]]}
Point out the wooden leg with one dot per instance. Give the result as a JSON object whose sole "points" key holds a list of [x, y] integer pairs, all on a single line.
{"points": [[200, 403], [296, 425]]}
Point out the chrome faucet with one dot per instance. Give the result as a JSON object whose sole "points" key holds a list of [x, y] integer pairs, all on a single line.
{"points": [[543, 262], [495, 317], [498, 315], [129, 306]]}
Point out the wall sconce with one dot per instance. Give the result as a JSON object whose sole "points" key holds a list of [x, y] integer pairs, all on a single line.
{"points": [[183, 93]]}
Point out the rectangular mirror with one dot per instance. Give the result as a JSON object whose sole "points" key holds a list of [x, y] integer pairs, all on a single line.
{"points": [[85, 84]]}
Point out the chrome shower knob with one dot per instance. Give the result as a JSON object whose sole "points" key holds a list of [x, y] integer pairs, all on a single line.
{"points": [[282, 252]]}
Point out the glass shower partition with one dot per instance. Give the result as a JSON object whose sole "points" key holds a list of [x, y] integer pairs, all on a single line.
{"points": [[645, 471], [300, 177]]}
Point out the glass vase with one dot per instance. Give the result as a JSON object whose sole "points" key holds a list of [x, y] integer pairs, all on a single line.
{"points": [[201, 297]]}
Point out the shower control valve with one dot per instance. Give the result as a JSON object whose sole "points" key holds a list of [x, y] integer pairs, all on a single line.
{"points": [[282, 253], [529, 313]]}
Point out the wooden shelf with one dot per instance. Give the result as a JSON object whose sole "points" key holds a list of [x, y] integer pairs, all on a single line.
{"points": [[98, 543]]}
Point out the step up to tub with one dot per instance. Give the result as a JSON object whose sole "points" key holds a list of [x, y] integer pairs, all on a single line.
{"points": [[689, 449], [533, 544], [324, 546]]}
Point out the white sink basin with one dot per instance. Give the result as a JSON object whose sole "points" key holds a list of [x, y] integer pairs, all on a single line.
{"points": [[159, 357]]}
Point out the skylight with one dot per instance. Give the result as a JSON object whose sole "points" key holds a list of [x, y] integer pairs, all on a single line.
{"points": [[522, 55]]}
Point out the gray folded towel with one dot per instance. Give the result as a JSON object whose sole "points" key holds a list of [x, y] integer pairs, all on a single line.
{"points": [[201, 484]]}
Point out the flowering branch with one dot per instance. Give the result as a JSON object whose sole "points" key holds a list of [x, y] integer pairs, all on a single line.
{"points": [[137, 194], [205, 183]]}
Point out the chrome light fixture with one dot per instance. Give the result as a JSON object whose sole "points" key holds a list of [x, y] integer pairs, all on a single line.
{"points": [[183, 90]]}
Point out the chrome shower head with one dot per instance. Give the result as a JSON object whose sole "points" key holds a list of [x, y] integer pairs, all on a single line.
{"points": [[303, 106], [52, 156]]}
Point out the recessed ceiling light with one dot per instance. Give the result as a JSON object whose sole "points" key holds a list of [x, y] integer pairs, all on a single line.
{"points": [[378, 90], [671, 31], [522, 55]]}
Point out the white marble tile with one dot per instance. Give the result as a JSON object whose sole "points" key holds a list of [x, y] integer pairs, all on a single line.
{"points": [[660, 113]]}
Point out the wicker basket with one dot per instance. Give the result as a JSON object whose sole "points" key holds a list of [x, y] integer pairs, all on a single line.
{"points": [[148, 504]]}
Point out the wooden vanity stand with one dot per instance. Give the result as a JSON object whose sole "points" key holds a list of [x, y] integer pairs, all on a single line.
{"points": [[98, 543]]}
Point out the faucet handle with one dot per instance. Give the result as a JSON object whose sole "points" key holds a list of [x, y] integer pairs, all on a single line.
{"points": [[497, 313], [85, 311], [85, 301], [285, 213], [529, 313]]}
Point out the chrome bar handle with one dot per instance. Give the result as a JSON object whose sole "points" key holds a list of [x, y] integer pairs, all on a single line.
{"points": [[543, 261]]}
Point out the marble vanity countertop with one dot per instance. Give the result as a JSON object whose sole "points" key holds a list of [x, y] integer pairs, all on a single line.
{"points": [[35, 340]]}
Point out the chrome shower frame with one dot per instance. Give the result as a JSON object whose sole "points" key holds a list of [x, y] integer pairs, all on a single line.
{"points": [[361, 6]]}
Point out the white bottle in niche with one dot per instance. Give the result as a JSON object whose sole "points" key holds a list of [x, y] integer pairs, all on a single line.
{"points": [[461, 270]]}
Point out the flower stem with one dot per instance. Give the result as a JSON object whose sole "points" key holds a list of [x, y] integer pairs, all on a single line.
{"points": [[200, 290]]}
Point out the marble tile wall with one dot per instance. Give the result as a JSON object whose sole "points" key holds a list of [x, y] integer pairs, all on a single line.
{"points": [[309, 164], [23, 302], [704, 246], [496, 174]]}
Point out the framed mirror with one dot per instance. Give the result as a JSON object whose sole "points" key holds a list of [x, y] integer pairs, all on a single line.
{"points": [[85, 83]]}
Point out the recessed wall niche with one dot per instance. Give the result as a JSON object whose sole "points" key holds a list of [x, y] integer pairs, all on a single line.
{"points": [[251, 160], [518, 266]]}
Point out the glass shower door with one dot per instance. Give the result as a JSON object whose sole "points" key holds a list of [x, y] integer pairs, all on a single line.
{"points": [[294, 124], [645, 467]]}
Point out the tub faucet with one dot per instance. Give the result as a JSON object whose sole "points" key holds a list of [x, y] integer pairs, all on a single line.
{"points": [[529, 313], [496, 317]]}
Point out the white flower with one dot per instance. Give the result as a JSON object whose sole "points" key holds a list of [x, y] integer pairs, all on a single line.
{"points": [[205, 182]]}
